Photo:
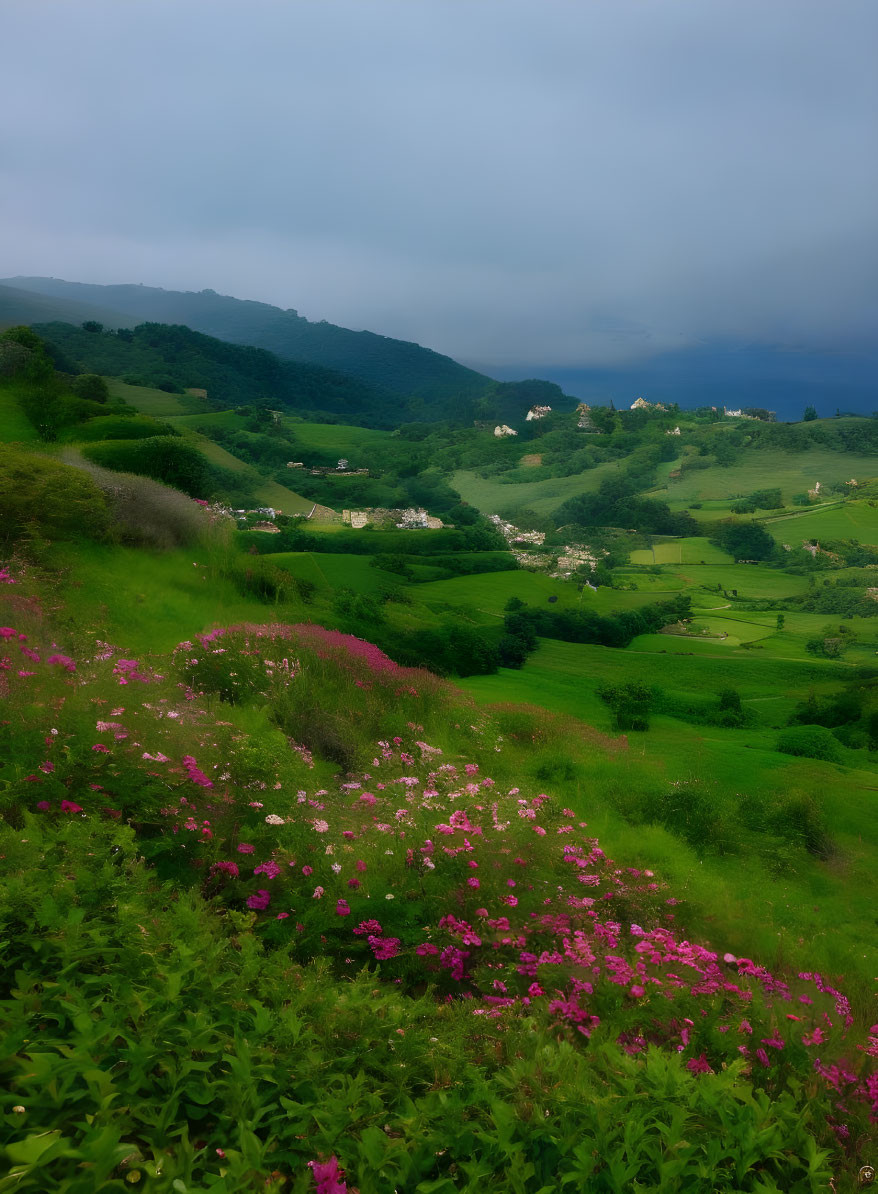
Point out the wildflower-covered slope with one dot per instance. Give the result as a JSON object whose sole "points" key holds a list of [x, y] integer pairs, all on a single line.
{"points": [[231, 963]]}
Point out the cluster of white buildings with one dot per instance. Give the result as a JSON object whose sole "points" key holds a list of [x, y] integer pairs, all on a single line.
{"points": [[409, 519]]}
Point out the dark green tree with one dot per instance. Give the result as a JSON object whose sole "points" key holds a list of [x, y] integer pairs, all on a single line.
{"points": [[629, 702], [90, 386]]}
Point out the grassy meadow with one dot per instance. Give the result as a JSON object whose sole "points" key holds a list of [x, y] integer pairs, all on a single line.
{"points": [[793, 473], [494, 496]]}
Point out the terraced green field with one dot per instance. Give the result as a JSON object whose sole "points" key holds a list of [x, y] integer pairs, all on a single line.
{"points": [[491, 496], [695, 550], [750, 580], [792, 472], [222, 420], [337, 437], [489, 592], [332, 571], [849, 520], [156, 402]]}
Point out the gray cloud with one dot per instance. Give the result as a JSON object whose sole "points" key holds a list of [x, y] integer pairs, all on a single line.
{"points": [[504, 180]]}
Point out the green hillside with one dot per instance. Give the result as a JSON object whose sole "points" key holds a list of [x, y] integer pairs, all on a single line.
{"points": [[176, 359], [529, 857]]}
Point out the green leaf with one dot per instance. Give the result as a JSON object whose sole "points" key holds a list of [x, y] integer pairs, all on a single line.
{"points": [[32, 1148]]}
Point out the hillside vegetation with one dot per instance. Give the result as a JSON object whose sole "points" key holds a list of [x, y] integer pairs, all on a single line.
{"points": [[396, 365], [337, 858]]}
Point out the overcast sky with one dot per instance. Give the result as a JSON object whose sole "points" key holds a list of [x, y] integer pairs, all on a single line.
{"points": [[535, 182]]}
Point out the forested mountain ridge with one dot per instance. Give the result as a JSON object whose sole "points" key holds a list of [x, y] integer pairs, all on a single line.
{"points": [[396, 365], [175, 358]]}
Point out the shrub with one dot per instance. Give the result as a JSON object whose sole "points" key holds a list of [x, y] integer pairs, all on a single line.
{"points": [[145, 511], [91, 386], [630, 703], [810, 742], [174, 462], [114, 427], [43, 495]]}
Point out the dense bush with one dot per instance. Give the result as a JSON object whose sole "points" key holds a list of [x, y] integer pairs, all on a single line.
{"points": [[172, 461], [114, 427], [143, 511], [574, 626], [811, 742], [90, 386], [745, 540], [40, 495], [630, 704]]}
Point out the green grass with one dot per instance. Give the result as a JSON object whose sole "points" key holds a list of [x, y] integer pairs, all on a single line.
{"points": [[224, 420], [695, 550], [332, 571], [269, 493], [149, 601], [750, 580], [792, 472], [338, 437], [850, 520], [487, 593], [15, 426], [156, 402], [491, 496]]}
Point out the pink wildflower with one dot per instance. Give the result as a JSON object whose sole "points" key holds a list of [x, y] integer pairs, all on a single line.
{"points": [[698, 1065], [328, 1178], [270, 869], [367, 926]]}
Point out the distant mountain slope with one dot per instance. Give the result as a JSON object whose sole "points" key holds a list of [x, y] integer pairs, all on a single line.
{"points": [[19, 305], [397, 365]]}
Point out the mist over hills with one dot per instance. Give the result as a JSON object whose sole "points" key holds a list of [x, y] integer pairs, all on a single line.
{"points": [[19, 305]]}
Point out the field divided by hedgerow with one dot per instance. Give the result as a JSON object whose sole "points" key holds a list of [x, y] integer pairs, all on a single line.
{"points": [[793, 472]]}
